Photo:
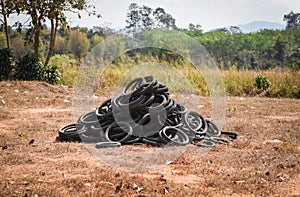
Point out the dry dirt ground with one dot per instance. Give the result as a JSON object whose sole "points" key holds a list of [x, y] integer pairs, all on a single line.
{"points": [[263, 161]]}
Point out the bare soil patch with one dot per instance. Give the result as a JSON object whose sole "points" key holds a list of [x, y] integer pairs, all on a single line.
{"points": [[249, 166]]}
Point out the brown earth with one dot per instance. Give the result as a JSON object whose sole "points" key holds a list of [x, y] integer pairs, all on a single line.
{"points": [[263, 161]]}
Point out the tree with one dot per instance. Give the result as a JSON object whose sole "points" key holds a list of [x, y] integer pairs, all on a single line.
{"points": [[234, 30], [192, 27], [292, 20], [279, 49], [6, 10], [95, 39], [147, 21], [61, 45], [163, 19], [293, 58], [158, 14], [79, 43], [2, 40], [17, 44], [142, 18], [133, 17], [54, 11], [96, 30]]}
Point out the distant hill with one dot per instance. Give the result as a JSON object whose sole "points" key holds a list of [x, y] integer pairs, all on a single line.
{"points": [[258, 25]]}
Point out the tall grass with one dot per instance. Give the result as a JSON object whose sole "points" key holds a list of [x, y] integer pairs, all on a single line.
{"points": [[180, 77], [283, 83]]}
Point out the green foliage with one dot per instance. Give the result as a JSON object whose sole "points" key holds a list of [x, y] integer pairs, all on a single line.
{"points": [[2, 40], [6, 61], [66, 67], [263, 50], [17, 44], [293, 58], [262, 83], [292, 20], [22, 134], [236, 82], [79, 43], [51, 74], [61, 45], [239, 83], [40, 11], [141, 18], [240, 56], [95, 39], [31, 68]]}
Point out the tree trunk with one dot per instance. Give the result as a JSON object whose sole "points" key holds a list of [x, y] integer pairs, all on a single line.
{"points": [[37, 28], [4, 14], [52, 40], [36, 43]]}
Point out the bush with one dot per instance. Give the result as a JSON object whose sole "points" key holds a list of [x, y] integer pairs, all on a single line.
{"points": [[31, 68], [6, 61], [262, 83], [51, 74], [239, 83], [66, 67]]}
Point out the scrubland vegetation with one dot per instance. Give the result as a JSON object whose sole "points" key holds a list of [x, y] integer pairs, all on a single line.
{"points": [[264, 63]]}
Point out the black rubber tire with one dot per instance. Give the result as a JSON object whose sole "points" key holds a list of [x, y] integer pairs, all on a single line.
{"points": [[153, 142], [136, 86], [158, 103], [212, 130], [127, 133], [70, 133], [232, 135], [207, 143], [104, 110], [149, 85], [219, 140], [201, 125], [164, 135], [89, 119], [107, 144]]}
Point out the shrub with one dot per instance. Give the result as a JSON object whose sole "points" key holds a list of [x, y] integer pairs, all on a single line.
{"points": [[239, 83], [66, 67], [262, 83], [51, 74], [31, 68], [6, 61]]}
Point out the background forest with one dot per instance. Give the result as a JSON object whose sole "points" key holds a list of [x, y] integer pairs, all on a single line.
{"points": [[264, 63]]}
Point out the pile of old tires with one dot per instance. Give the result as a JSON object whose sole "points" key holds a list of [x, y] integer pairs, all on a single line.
{"points": [[144, 114]]}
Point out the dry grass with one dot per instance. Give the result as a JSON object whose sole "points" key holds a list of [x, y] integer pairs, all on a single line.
{"points": [[283, 83], [249, 166]]}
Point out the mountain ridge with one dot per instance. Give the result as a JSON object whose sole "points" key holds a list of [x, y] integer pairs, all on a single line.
{"points": [[255, 26]]}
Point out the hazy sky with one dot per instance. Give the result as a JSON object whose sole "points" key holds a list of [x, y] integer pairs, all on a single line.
{"points": [[208, 13]]}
